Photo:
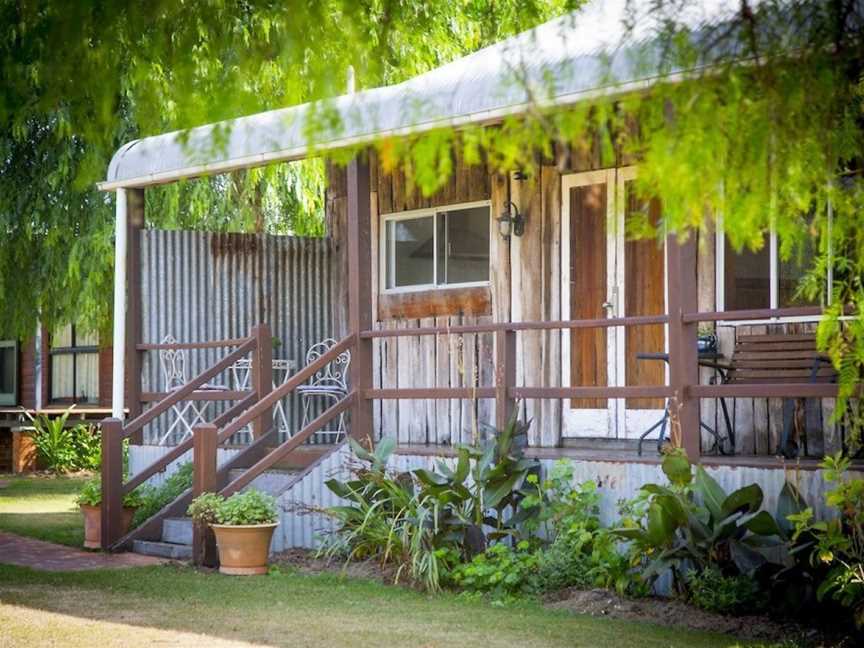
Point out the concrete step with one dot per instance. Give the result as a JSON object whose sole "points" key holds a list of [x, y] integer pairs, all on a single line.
{"points": [[270, 481], [177, 531], [162, 549]]}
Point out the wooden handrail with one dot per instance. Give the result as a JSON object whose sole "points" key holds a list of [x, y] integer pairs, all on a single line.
{"points": [[609, 322], [287, 387], [176, 346], [751, 314], [286, 447], [188, 389], [179, 450]]}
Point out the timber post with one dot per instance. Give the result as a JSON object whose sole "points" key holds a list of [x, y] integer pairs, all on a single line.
{"points": [[112, 482], [360, 293], [134, 225], [505, 375], [205, 440], [262, 376], [683, 341]]}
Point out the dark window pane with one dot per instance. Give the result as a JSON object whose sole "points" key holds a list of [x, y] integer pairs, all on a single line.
{"points": [[8, 369], [747, 281], [466, 257], [410, 252]]}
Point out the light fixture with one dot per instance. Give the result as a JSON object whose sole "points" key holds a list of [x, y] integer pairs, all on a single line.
{"points": [[511, 222]]}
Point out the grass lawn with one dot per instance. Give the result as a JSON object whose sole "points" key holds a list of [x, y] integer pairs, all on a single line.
{"points": [[42, 507], [179, 606]]}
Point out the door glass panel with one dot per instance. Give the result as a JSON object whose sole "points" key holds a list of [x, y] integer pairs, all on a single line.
{"points": [[643, 295], [588, 347], [747, 281]]}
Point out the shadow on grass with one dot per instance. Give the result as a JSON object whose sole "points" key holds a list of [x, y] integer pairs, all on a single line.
{"points": [[323, 610]]}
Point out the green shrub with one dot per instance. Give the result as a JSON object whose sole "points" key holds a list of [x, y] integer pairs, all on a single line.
{"points": [[61, 449], [155, 498], [501, 571], [91, 495], [248, 507], [693, 524], [428, 521], [712, 591], [582, 553], [838, 543]]}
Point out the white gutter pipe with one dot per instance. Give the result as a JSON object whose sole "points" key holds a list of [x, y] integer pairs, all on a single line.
{"points": [[119, 366]]}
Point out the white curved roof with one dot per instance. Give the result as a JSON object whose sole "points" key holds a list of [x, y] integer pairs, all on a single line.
{"points": [[564, 61]]}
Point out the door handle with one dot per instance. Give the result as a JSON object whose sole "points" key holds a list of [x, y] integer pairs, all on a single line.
{"points": [[609, 306]]}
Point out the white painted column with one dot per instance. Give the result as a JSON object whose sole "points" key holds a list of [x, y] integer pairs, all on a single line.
{"points": [[119, 368]]}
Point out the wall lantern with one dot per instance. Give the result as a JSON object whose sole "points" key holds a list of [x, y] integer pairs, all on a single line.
{"points": [[511, 222]]}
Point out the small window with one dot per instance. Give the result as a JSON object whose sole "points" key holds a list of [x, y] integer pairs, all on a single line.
{"points": [[74, 366], [761, 279], [446, 247], [8, 372]]}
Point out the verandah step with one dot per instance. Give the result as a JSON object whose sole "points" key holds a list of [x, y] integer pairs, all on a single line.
{"points": [[177, 530], [162, 549]]}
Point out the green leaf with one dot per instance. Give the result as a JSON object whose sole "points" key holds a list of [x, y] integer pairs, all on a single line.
{"points": [[430, 478], [661, 527], [677, 469], [747, 499], [746, 559], [384, 449], [711, 492], [790, 502], [763, 523]]}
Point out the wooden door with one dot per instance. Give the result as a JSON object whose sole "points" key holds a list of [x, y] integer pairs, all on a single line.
{"points": [[644, 293], [587, 287]]}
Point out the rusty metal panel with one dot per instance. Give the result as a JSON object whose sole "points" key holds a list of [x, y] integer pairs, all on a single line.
{"points": [[199, 286]]}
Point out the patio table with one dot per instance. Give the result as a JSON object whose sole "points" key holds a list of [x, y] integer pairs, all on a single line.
{"points": [[241, 373], [707, 359]]}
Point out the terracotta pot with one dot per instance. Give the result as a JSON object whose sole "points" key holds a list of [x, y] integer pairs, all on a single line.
{"points": [[93, 524], [243, 548]]}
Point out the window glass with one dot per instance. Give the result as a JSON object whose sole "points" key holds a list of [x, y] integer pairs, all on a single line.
{"points": [[74, 366], [466, 256], [747, 283], [87, 378], [791, 271], [7, 369], [411, 252]]}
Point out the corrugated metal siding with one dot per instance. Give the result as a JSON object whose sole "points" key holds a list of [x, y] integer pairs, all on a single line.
{"points": [[200, 286], [617, 481], [142, 456]]}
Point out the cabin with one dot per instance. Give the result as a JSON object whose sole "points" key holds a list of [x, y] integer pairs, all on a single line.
{"points": [[47, 374], [500, 293]]}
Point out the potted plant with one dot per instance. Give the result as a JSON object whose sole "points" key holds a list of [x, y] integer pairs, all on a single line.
{"points": [[243, 525], [89, 501]]}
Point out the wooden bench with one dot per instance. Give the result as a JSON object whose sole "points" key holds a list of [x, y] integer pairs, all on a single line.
{"points": [[781, 358]]}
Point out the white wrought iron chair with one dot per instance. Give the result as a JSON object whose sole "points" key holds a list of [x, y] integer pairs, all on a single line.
{"points": [[173, 363], [328, 384]]}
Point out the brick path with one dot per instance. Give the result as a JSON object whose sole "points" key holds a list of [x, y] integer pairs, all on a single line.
{"points": [[47, 556]]}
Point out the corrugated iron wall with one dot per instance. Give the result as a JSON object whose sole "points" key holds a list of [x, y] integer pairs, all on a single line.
{"points": [[199, 286]]}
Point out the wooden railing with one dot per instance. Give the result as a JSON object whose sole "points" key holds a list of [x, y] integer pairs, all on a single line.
{"points": [[115, 432], [683, 389], [254, 407]]}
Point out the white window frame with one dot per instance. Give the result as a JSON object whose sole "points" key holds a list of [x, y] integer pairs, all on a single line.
{"points": [[773, 276], [414, 214]]}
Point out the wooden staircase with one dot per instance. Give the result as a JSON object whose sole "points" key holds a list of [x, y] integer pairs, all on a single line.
{"points": [[265, 463]]}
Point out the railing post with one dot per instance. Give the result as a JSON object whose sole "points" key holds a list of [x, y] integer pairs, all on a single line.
{"points": [[205, 439], [683, 349], [360, 292], [505, 375], [262, 376], [112, 482]]}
